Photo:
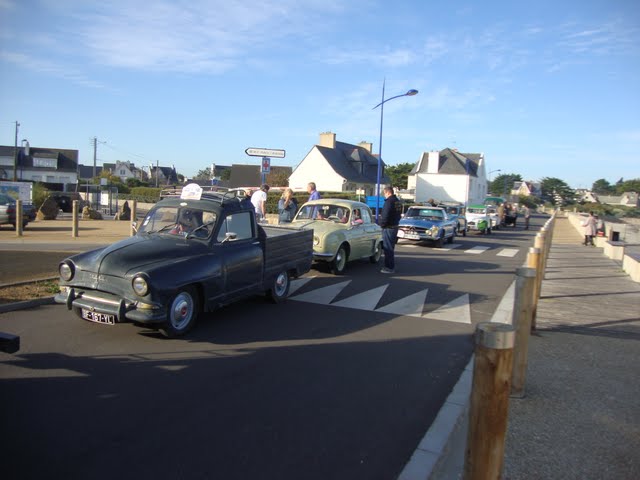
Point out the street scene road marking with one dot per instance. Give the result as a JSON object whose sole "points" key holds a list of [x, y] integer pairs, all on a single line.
{"points": [[458, 310], [507, 252], [476, 250]]}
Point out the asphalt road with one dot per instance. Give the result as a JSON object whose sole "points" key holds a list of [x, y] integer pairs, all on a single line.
{"points": [[340, 382]]}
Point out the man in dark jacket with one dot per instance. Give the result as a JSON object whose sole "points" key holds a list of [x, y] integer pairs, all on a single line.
{"points": [[389, 220]]}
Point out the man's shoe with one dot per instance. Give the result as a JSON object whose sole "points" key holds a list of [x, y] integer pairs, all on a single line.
{"points": [[386, 270]]}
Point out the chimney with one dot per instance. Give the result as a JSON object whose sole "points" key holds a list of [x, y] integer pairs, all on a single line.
{"points": [[433, 164], [328, 139], [366, 145]]}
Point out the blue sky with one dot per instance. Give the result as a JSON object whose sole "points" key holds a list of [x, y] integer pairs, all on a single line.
{"points": [[543, 89]]}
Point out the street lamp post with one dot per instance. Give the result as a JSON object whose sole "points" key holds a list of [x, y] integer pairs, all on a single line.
{"points": [[409, 93], [498, 170]]}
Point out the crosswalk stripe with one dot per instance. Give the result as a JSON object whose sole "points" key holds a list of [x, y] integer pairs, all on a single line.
{"points": [[363, 301], [408, 306], [322, 295], [457, 310], [476, 250], [507, 252], [298, 283]]}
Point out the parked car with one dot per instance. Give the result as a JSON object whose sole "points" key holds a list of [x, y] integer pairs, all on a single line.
{"points": [[8, 211], [65, 200], [457, 212], [192, 253], [478, 218], [431, 224], [343, 231]]}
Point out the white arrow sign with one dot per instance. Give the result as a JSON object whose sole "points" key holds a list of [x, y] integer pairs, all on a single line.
{"points": [[264, 152]]}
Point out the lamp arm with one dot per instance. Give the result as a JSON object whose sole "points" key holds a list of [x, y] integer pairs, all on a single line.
{"points": [[390, 98]]}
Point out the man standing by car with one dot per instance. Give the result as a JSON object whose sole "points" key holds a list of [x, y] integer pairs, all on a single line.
{"points": [[259, 201], [389, 220]]}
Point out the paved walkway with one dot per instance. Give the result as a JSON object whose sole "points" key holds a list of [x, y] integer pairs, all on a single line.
{"points": [[580, 417]]}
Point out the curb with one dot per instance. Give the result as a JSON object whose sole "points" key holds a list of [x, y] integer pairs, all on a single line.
{"points": [[12, 307]]}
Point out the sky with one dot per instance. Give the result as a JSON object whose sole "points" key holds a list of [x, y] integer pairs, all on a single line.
{"points": [[542, 89]]}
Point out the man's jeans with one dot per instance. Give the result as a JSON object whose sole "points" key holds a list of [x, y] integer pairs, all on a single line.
{"points": [[389, 240]]}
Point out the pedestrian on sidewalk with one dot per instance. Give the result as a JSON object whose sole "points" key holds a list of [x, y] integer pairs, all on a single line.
{"points": [[589, 229], [389, 220], [527, 215]]}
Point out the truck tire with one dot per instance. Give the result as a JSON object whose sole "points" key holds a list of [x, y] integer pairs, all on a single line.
{"points": [[452, 237], [182, 313], [339, 263], [279, 290]]}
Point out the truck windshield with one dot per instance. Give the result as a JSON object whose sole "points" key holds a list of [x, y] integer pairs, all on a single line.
{"points": [[178, 220]]}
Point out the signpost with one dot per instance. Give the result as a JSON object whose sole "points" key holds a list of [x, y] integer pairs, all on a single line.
{"points": [[266, 154]]}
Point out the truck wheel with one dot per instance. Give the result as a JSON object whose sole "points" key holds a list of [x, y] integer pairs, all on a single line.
{"points": [[279, 290], [375, 258], [453, 235], [464, 231], [438, 243], [339, 263], [182, 313]]}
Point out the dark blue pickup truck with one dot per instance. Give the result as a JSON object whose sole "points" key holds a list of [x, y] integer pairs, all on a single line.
{"points": [[191, 254]]}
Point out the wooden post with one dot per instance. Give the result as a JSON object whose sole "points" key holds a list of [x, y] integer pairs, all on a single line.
{"points": [[74, 222], [134, 208], [18, 218], [522, 313], [489, 401], [533, 261]]}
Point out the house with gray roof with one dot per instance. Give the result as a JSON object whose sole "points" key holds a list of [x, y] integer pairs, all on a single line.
{"points": [[449, 176], [39, 164], [338, 167]]}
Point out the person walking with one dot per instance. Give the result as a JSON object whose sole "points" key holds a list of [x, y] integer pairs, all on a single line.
{"points": [[259, 201], [527, 214], [313, 193], [287, 207], [389, 220], [589, 229]]}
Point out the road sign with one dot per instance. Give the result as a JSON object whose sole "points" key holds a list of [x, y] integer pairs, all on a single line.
{"points": [[266, 165], [264, 152]]}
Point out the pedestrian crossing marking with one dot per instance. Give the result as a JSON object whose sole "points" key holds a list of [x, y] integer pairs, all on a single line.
{"points": [[322, 295], [411, 306], [363, 301], [457, 310], [298, 283], [507, 252], [476, 250]]}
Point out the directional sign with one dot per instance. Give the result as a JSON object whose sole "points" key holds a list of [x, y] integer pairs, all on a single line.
{"points": [[264, 152]]}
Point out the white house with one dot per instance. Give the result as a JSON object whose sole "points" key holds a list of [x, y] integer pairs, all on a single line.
{"points": [[449, 176], [338, 167], [50, 165]]}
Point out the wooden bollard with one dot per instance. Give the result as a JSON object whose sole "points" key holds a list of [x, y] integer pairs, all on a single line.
{"points": [[489, 405], [522, 315], [134, 208], [74, 219], [18, 218], [533, 261]]}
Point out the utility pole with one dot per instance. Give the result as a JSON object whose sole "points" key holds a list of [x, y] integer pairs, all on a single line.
{"points": [[95, 152], [15, 155]]}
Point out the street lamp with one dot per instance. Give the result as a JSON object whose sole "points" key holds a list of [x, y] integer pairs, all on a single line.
{"points": [[498, 170], [410, 93]]}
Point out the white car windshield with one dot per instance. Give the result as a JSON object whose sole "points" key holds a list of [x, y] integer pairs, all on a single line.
{"points": [[333, 212], [427, 213]]}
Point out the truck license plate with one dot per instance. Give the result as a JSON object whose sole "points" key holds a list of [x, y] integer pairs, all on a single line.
{"points": [[98, 317], [411, 236]]}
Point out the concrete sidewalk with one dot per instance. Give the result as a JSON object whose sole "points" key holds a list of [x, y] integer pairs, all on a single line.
{"points": [[580, 417]]}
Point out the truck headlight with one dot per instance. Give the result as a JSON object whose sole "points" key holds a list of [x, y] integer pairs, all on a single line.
{"points": [[140, 286], [66, 271], [434, 231]]}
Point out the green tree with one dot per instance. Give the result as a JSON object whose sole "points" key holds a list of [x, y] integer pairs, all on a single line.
{"points": [[628, 186], [602, 187], [399, 174], [554, 190], [503, 184], [203, 175]]}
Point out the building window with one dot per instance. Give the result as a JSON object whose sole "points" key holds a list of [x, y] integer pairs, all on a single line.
{"points": [[45, 162]]}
